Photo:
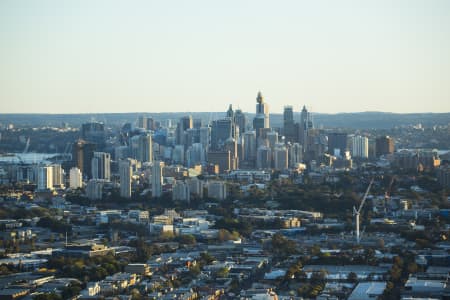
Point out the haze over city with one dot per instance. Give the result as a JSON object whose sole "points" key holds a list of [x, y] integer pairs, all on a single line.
{"points": [[151, 56]]}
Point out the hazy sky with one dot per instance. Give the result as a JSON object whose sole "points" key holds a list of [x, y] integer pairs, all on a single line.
{"points": [[160, 56]]}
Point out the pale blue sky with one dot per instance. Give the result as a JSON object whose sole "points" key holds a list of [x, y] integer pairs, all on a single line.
{"points": [[87, 56]]}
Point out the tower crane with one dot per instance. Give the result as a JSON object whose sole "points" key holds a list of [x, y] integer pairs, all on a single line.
{"points": [[357, 212]]}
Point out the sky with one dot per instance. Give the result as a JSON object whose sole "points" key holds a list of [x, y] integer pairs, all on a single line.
{"points": [[94, 56]]}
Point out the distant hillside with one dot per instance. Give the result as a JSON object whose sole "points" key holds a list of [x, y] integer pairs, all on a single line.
{"points": [[362, 120]]}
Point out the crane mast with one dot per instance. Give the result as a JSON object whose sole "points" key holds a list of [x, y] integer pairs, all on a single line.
{"points": [[357, 212]]}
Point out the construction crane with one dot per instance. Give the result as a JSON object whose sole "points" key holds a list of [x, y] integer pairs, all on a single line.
{"points": [[357, 212]]}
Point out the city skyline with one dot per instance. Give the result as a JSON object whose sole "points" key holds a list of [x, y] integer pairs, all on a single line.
{"points": [[103, 56]]}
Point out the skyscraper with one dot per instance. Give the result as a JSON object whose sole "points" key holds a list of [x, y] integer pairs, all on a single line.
{"points": [[250, 148], [45, 178], [280, 157], [261, 119], [384, 145], [157, 178], [221, 131], [360, 146], [83, 152], [101, 166], [305, 125], [94, 132], [337, 143], [58, 175], [75, 178], [142, 147], [288, 124], [240, 120], [125, 173], [184, 124]]}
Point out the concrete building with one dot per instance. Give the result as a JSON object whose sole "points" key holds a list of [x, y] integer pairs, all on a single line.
{"points": [[94, 188], [83, 152], [125, 173], [289, 124], [58, 175], [101, 166], [45, 178], [384, 145], [157, 178], [220, 158], [75, 178], [337, 143], [295, 154], [264, 158], [217, 190], [280, 157], [181, 191], [261, 119], [360, 146]]}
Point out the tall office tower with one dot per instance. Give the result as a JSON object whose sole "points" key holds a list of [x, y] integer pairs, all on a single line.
{"points": [[261, 119], [75, 178], [230, 112], [264, 158], [178, 154], [145, 150], [231, 146], [101, 166], [184, 124], [94, 132], [83, 152], [231, 115], [250, 148], [221, 130], [220, 158], [142, 122], [151, 124], [288, 124], [58, 175], [295, 154], [240, 120], [360, 146], [316, 145], [280, 157], [205, 137], [157, 178], [125, 173], [306, 124], [45, 178], [192, 136], [197, 123], [121, 152], [384, 145], [142, 147], [272, 138], [337, 143], [195, 155]]}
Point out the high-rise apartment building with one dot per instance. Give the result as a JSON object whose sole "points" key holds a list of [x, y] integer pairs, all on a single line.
{"points": [[75, 178], [125, 173], [360, 146], [101, 166], [83, 152], [384, 145], [45, 178], [142, 147], [157, 178]]}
